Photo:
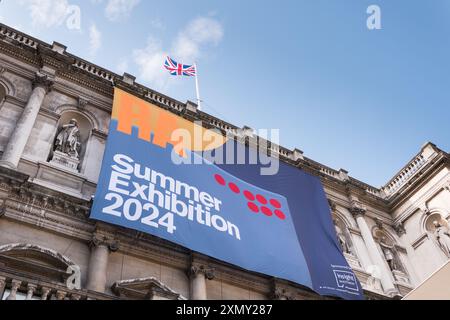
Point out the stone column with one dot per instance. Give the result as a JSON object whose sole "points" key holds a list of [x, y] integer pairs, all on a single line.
{"points": [[98, 263], [372, 248], [19, 137], [198, 275]]}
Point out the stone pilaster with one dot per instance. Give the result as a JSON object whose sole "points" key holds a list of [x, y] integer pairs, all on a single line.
{"points": [[98, 262], [358, 211], [198, 275], [19, 137]]}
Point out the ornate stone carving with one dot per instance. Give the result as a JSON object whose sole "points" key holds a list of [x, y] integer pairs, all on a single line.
{"points": [[343, 241], [379, 223], [282, 294], [82, 103], [424, 209], [389, 257], [442, 236], [68, 140], [67, 146], [447, 186], [400, 229], [209, 272], [357, 208], [42, 80], [99, 240]]}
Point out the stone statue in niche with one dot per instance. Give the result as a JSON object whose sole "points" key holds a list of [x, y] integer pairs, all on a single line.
{"points": [[342, 239], [389, 254], [442, 236], [67, 148], [68, 140]]}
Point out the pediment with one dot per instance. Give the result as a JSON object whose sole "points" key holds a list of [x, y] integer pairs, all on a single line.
{"points": [[145, 289], [34, 260]]}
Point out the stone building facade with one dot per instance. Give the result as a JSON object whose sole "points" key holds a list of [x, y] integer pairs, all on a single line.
{"points": [[394, 237]]}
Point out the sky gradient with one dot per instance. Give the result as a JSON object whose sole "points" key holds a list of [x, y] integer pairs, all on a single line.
{"points": [[363, 100]]}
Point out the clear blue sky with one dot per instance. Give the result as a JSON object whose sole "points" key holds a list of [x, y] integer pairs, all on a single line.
{"points": [[348, 97]]}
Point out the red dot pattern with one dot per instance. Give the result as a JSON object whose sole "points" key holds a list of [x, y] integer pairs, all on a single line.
{"points": [[252, 200], [220, 180], [253, 207], [266, 211], [261, 199], [249, 195], [234, 187], [275, 203]]}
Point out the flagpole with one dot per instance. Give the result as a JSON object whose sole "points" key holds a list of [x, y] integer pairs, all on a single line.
{"points": [[199, 104]]}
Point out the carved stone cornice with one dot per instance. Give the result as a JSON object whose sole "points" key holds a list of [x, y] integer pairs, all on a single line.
{"points": [[209, 272]]}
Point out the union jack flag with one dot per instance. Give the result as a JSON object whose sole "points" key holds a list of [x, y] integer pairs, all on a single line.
{"points": [[178, 69]]}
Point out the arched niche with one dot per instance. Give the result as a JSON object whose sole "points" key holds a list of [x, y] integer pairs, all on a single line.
{"points": [[438, 229], [434, 215], [343, 234], [85, 125], [35, 262], [8, 87], [388, 248]]}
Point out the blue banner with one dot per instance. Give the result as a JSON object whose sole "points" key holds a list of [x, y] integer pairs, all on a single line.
{"points": [[279, 225]]}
